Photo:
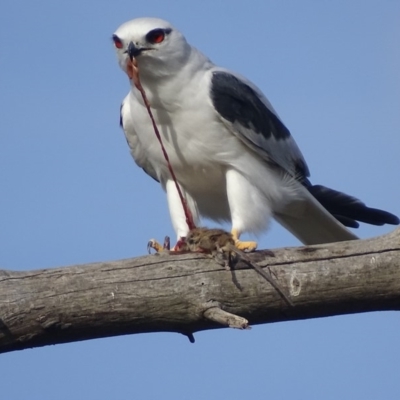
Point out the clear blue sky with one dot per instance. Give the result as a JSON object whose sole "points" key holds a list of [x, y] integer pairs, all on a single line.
{"points": [[71, 194]]}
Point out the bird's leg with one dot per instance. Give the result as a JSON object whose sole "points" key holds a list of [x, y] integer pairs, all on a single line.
{"points": [[244, 246], [242, 199]]}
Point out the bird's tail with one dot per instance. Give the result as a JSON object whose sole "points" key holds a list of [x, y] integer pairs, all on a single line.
{"points": [[349, 210], [323, 216]]}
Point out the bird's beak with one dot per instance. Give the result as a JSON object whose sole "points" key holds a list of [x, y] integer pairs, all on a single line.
{"points": [[133, 51]]}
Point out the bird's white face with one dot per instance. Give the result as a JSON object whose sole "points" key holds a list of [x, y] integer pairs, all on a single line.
{"points": [[156, 45]]}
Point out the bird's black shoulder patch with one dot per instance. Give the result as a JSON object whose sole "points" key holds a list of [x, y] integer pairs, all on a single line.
{"points": [[239, 103]]}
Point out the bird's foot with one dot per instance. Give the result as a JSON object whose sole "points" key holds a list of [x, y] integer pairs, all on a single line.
{"points": [[178, 248], [153, 244], [243, 246]]}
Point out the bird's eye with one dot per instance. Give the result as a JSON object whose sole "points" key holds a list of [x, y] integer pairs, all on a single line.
{"points": [[156, 36], [117, 42]]}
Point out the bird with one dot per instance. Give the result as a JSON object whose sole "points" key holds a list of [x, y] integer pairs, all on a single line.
{"points": [[233, 157]]}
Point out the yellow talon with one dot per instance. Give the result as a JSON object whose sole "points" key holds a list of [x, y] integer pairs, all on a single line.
{"points": [[153, 244], [244, 246]]}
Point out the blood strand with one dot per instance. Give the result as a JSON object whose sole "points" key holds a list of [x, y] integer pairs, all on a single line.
{"points": [[133, 73]]}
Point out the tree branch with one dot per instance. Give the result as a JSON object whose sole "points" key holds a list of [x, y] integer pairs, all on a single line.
{"points": [[189, 293]]}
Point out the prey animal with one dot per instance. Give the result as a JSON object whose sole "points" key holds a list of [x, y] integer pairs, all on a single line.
{"points": [[221, 246]]}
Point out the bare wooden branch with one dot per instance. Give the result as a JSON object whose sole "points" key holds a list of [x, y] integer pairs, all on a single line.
{"points": [[174, 293], [215, 313]]}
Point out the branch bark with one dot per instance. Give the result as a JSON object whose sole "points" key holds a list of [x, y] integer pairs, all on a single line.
{"points": [[189, 293]]}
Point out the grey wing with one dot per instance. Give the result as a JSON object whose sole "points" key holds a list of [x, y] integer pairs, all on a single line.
{"points": [[126, 123], [250, 117]]}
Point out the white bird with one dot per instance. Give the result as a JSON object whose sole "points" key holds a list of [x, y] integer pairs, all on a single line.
{"points": [[233, 157]]}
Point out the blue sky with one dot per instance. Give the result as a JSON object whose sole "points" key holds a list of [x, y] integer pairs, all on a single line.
{"points": [[71, 193]]}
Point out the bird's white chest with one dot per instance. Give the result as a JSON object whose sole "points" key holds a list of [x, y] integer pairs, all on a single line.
{"points": [[198, 145]]}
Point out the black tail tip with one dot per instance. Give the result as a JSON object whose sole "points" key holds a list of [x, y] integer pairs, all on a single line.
{"points": [[349, 210]]}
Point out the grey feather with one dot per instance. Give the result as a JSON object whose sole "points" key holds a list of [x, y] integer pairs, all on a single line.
{"points": [[311, 223]]}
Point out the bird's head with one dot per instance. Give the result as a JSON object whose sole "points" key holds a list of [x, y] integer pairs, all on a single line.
{"points": [[158, 48]]}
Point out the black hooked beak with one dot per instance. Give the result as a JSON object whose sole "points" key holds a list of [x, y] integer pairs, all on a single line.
{"points": [[134, 51]]}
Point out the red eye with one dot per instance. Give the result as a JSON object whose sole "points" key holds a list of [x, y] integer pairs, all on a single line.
{"points": [[117, 42], [156, 36]]}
